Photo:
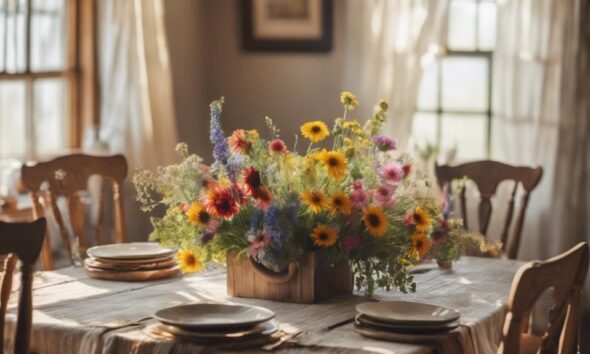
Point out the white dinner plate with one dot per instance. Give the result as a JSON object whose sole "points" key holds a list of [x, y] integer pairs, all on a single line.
{"points": [[132, 250], [407, 312], [405, 328], [213, 316]]}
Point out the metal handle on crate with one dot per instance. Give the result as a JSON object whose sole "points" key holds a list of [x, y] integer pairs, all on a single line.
{"points": [[273, 277]]}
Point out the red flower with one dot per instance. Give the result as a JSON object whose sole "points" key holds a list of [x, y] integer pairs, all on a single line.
{"points": [[221, 202], [263, 198], [252, 180], [238, 143], [407, 169], [238, 193], [277, 146]]}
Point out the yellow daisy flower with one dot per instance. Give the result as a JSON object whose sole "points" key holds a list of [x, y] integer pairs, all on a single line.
{"points": [[315, 131], [340, 203], [189, 261], [198, 214], [253, 135], [420, 243], [375, 221], [422, 220], [323, 236], [335, 163], [349, 100], [315, 200]]}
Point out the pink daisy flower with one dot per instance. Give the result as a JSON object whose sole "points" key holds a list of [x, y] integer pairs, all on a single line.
{"points": [[258, 241], [384, 194], [392, 172], [359, 198]]}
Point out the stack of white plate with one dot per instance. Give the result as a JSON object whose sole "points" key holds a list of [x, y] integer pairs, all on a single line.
{"points": [[135, 261], [406, 317], [217, 323]]}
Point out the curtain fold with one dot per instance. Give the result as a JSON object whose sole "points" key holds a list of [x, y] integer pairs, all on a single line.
{"points": [[137, 112], [541, 116], [387, 42]]}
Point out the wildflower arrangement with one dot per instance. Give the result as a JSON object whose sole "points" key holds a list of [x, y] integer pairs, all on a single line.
{"points": [[450, 241], [349, 195]]}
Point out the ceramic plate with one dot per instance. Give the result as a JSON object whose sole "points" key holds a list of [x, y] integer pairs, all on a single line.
{"points": [[266, 328], [151, 265], [131, 262], [139, 275], [405, 328], [213, 316], [133, 250], [407, 312]]}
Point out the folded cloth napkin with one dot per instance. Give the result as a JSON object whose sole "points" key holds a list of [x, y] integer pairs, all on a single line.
{"points": [[456, 341]]}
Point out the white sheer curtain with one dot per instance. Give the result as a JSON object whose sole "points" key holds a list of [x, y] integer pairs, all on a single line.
{"points": [[541, 116], [137, 112], [386, 45]]}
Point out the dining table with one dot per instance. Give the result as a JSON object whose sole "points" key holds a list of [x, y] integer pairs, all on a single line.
{"points": [[74, 313]]}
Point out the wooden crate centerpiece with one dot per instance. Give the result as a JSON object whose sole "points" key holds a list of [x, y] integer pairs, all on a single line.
{"points": [[311, 280]]}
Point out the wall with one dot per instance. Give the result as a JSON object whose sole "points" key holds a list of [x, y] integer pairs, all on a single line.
{"points": [[208, 62]]}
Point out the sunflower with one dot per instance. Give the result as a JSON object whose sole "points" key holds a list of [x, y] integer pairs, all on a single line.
{"points": [[324, 236], [422, 220], [375, 220], [349, 100], [316, 201], [340, 203], [198, 215], [189, 261], [315, 131], [221, 202], [420, 243], [335, 164]]}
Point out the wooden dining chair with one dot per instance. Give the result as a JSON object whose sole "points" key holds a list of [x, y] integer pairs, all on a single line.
{"points": [[21, 241], [67, 177], [565, 274], [487, 175]]}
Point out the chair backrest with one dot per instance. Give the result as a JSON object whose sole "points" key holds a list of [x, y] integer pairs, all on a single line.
{"points": [[66, 177], [565, 274], [23, 241], [487, 175]]}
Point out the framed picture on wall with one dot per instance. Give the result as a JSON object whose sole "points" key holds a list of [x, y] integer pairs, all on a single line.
{"points": [[287, 25]]}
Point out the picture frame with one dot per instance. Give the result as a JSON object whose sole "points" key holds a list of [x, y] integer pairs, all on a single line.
{"points": [[287, 25]]}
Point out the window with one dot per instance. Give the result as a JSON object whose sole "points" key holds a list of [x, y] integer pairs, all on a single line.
{"points": [[454, 101], [41, 67]]}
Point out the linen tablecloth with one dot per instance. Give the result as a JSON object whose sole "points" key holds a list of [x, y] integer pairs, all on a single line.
{"points": [[77, 314]]}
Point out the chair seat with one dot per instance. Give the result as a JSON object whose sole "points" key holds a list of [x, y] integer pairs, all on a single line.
{"points": [[530, 344]]}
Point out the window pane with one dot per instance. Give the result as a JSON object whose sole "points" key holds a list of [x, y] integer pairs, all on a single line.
{"points": [[465, 83], [12, 119], [15, 35], [424, 128], [487, 25], [466, 133], [48, 35], [427, 96], [51, 130], [461, 35]]}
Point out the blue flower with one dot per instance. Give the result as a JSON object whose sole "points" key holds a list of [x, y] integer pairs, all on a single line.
{"points": [[272, 225], [217, 136]]}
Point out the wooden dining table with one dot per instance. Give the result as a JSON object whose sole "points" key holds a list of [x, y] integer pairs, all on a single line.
{"points": [[74, 313]]}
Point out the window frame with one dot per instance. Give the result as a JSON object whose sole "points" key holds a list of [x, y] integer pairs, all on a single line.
{"points": [[447, 52], [80, 73]]}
